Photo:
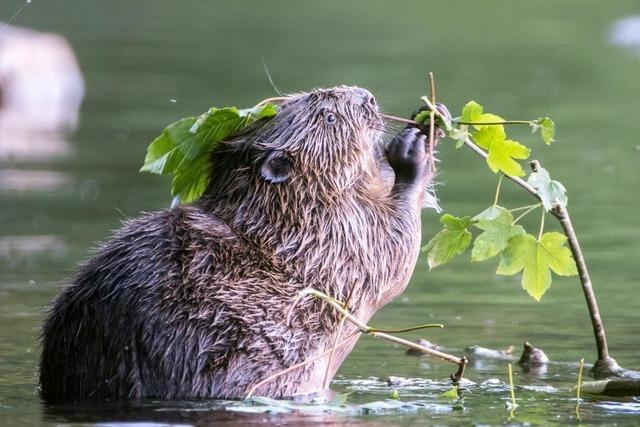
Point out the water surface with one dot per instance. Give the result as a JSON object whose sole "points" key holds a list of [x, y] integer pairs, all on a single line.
{"points": [[149, 63]]}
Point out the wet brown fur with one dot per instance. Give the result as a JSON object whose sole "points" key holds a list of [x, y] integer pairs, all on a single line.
{"points": [[192, 302]]}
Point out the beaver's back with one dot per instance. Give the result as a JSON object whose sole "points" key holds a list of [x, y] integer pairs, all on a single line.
{"points": [[119, 331]]}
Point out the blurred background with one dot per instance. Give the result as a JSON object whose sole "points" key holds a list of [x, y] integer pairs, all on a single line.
{"points": [[86, 85]]}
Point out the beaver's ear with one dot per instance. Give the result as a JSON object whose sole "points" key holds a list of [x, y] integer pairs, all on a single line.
{"points": [[276, 167]]}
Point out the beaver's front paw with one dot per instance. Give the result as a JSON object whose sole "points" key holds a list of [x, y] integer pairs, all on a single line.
{"points": [[407, 157]]}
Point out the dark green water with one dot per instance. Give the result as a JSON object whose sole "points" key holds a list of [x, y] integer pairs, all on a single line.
{"points": [[148, 63]]}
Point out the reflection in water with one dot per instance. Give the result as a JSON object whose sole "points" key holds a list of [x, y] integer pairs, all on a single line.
{"points": [[25, 180], [41, 89], [14, 246], [626, 33]]}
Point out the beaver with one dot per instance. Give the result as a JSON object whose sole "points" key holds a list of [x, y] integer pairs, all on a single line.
{"points": [[194, 302]]}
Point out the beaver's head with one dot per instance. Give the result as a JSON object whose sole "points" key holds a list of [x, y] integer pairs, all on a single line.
{"points": [[323, 131], [321, 143]]}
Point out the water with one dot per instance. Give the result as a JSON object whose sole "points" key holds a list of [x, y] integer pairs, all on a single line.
{"points": [[148, 63]]}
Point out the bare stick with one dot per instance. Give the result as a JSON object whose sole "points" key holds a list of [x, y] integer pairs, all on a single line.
{"points": [[270, 378], [400, 119], [432, 122], [562, 214]]}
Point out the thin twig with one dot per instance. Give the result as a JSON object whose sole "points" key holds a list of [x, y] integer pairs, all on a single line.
{"points": [[370, 331], [495, 199], [529, 209], [432, 124], [504, 122], [325, 381], [513, 393], [400, 119], [270, 378], [579, 386], [413, 328]]}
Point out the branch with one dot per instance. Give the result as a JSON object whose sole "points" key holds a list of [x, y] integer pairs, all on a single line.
{"points": [[364, 328], [562, 215], [605, 365]]}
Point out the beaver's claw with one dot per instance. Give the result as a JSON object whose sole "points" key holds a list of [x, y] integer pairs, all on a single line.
{"points": [[406, 155]]}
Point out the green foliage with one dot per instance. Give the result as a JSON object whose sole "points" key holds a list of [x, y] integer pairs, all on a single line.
{"points": [[497, 230], [449, 242], [452, 393], [502, 152], [424, 117], [182, 149], [537, 258], [471, 112], [549, 190], [547, 129], [500, 234]]}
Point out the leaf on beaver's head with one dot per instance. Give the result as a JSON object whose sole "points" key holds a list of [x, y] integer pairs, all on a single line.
{"points": [[182, 149]]}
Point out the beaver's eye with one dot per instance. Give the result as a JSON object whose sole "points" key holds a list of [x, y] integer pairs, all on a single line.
{"points": [[330, 118]]}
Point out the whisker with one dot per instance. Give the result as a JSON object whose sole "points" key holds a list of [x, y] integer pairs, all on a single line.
{"points": [[266, 71]]}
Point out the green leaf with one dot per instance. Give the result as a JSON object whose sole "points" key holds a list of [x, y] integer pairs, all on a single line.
{"points": [[547, 129], [423, 117], [501, 151], [496, 233], [471, 112], [537, 259], [452, 393], [395, 395], [161, 153], [489, 214], [548, 189], [489, 134], [182, 149], [502, 154], [449, 242]]}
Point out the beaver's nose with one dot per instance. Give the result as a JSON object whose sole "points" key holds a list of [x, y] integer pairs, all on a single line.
{"points": [[363, 97]]}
